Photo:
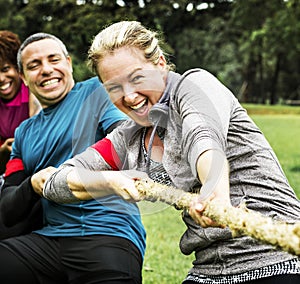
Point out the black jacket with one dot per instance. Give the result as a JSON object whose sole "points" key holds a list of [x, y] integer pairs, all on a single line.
{"points": [[26, 215]]}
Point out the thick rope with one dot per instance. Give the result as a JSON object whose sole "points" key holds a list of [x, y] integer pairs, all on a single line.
{"points": [[240, 220]]}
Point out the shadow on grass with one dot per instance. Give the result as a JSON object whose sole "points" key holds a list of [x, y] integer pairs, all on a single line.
{"points": [[295, 169]]}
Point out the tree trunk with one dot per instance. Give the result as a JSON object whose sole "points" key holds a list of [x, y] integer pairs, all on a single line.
{"points": [[273, 93]]}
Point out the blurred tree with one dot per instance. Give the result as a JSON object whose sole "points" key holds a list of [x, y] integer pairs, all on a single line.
{"points": [[252, 46], [10, 19], [267, 33], [282, 51]]}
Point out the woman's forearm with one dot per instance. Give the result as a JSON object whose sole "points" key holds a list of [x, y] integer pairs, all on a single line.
{"points": [[86, 184], [213, 172], [71, 184]]}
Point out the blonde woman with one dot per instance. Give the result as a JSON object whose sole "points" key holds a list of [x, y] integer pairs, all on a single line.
{"points": [[189, 131]]}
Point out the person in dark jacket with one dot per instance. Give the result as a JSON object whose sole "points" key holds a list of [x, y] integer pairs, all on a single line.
{"points": [[16, 105]]}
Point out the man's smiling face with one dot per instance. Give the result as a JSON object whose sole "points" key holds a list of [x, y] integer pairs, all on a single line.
{"points": [[47, 71]]}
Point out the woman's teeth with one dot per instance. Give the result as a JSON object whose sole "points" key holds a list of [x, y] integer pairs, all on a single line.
{"points": [[136, 107], [4, 87]]}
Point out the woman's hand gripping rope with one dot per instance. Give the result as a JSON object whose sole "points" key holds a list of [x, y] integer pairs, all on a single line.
{"points": [[240, 220]]}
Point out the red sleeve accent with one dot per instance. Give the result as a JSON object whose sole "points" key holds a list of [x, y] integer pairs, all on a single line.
{"points": [[13, 166], [108, 152]]}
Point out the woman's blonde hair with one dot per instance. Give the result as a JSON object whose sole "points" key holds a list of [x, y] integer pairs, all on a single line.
{"points": [[124, 34]]}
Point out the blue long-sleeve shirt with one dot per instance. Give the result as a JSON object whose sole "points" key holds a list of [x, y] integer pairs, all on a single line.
{"points": [[56, 134]]}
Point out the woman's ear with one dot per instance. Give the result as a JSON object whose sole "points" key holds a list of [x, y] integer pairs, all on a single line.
{"points": [[162, 62]]}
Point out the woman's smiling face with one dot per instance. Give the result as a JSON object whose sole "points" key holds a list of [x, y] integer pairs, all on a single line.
{"points": [[10, 81], [133, 84]]}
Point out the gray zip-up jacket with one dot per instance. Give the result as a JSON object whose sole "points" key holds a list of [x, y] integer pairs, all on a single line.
{"points": [[203, 114]]}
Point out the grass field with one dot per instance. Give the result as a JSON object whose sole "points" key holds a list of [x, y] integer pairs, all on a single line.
{"points": [[164, 264], [283, 133]]}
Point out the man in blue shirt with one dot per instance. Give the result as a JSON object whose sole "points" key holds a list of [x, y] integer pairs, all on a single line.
{"points": [[84, 242]]}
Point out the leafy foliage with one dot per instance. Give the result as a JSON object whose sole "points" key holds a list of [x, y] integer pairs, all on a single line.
{"points": [[252, 46]]}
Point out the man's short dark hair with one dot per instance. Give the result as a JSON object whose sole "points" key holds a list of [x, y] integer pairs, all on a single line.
{"points": [[36, 37]]}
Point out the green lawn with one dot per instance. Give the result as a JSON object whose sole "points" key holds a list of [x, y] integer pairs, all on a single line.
{"points": [[283, 133], [164, 264]]}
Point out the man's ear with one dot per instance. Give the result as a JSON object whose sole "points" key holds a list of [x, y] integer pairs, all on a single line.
{"points": [[23, 79], [69, 58]]}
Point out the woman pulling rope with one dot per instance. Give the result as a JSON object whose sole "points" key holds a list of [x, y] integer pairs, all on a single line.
{"points": [[189, 131]]}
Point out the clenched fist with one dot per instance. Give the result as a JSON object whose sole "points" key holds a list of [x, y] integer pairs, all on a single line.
{"points": [[39, 178]]}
